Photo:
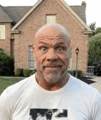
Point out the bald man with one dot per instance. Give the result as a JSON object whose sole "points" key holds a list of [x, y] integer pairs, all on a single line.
{"points": [[51, 88]]}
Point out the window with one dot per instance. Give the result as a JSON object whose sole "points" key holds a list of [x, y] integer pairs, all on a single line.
{"points": [[31, 59], [2, 31], [50, 19], [70, 64]]}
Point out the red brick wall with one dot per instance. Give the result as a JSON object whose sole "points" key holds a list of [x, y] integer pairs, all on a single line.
{"points": [[36, 20], [5, 43]]}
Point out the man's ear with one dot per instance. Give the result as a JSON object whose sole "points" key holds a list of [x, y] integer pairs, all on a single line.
{"points": [[33, 47]]}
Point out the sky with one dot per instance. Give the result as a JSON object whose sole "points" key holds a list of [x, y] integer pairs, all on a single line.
{"points": [[93, 8]]}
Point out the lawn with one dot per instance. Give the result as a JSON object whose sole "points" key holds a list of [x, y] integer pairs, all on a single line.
{"points": [[7, 81]]}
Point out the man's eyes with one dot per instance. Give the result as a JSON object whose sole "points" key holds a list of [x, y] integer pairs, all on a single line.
{"points": [[58, 49], [43, 48]]}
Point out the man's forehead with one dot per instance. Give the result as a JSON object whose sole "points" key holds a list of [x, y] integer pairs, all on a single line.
{"points": [[50, 37], [54, 39], [49, 31], [52, 42]]}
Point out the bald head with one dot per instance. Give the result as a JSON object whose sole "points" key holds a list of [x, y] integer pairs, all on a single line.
{"points": [[53, 29], [52, 52]]}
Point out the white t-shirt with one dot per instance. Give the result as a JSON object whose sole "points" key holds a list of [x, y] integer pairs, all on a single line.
{"points": [[26, 100]]}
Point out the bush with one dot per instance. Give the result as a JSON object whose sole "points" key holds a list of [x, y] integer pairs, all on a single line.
{"points": [[27, 72], [19, 72], [6, 64], [94, 48], [73, 72], [33, 72]]}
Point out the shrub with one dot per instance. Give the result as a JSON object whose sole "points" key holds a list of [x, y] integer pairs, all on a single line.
{"points": [[79, 73], [33, 72], [27, 72], [73, 72], [19, 72], [6, 64], [94, 48]]}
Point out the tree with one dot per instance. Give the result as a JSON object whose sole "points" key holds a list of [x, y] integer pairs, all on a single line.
{"points": [[94, 52], [98, 30], [92, 26]]}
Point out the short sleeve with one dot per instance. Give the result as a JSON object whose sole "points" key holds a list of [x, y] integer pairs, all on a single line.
{"points": [[4, 106]]}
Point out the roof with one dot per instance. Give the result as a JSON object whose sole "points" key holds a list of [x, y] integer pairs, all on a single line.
{"points": [[17, 12], [80, 11], [4, 17]]}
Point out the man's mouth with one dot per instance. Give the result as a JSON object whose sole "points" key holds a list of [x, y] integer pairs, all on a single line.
{"points": [[52, 66]]}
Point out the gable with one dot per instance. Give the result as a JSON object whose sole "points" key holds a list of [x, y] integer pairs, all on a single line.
{"points": [[17, 12], [64, 6]]}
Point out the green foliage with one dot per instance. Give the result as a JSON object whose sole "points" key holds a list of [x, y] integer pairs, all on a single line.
{"points": [[6, 64], [92, 26], [73, 72], [33, 72], [19, 72], [98, 30], [94, 52], [95, 30], [27, 72]]}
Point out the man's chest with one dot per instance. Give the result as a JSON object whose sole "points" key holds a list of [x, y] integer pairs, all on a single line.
{"points": [[50, 108]]}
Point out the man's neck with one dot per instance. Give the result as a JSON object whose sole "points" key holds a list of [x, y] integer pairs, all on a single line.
{"points": [[52, 87]]}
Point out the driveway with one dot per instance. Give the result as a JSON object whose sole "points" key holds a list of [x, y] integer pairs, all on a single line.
{"points": [[96, 81]]}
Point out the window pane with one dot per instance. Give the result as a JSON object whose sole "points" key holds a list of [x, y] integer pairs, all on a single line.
{"points": [[50, 19], [70, 64], [2, 31], [31, 59]]}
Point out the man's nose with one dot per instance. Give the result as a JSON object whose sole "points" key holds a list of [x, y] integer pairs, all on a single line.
{"points": [[51, 55]]}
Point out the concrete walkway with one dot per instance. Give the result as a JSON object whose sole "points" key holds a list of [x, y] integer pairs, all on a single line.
{"points": [[97, 83]]}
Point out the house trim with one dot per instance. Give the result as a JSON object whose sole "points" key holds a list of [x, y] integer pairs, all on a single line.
{"points": [[6, 21], [15, 31], [87, 32], [26, 15], [76, 17]]}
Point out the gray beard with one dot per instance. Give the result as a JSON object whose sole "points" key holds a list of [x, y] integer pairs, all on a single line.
{"points": [[53, 77]]}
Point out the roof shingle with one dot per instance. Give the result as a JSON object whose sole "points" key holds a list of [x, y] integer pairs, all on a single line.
{"points": [[4, 17], [15, 13]]}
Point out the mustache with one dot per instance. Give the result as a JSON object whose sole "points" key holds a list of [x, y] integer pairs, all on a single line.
{"points": [[52, 65]]}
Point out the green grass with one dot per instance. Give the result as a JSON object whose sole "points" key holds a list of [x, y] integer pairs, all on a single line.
{"points": [[7, 81]]}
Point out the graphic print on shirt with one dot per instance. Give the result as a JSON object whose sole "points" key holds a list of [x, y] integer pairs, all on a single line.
{"points": [[47, 114]]}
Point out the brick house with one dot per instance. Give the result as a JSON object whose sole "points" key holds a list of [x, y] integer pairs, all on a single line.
{"points": [[18, 25]]}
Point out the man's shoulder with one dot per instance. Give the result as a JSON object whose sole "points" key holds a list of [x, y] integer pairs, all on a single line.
{"points": [[19, 87], [81, 87]]}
